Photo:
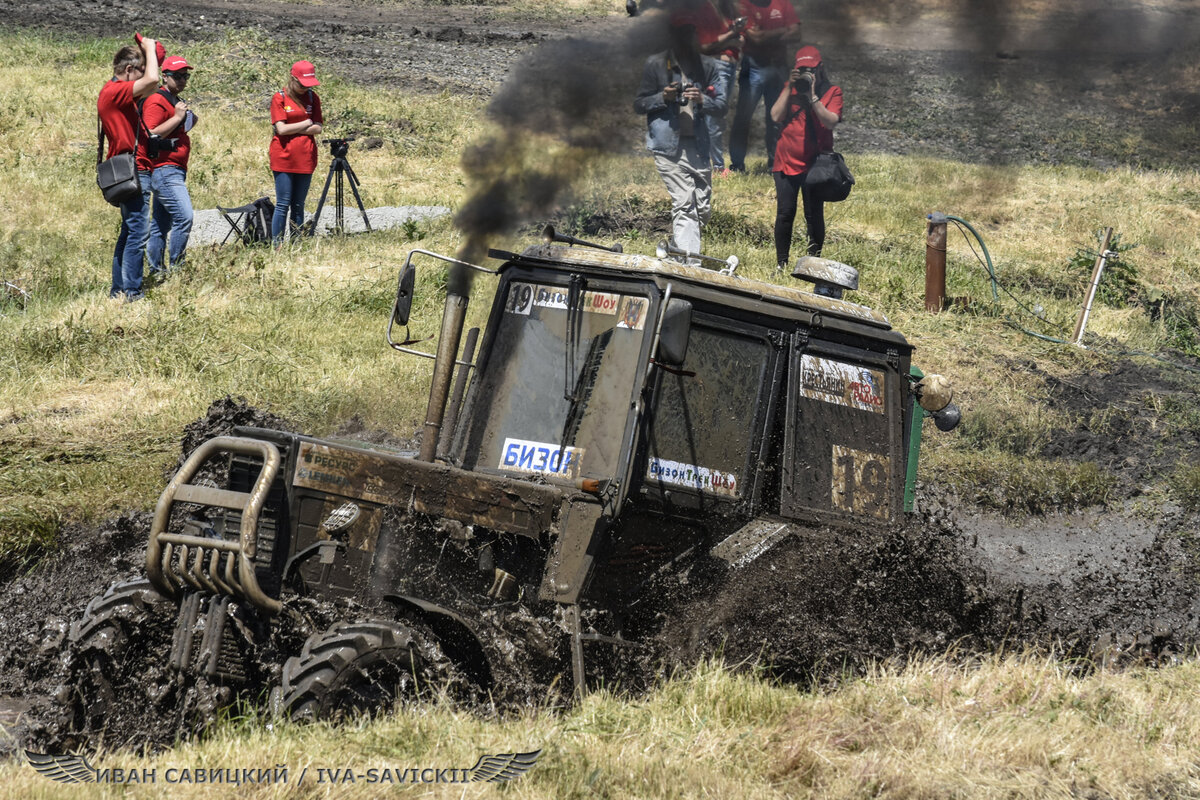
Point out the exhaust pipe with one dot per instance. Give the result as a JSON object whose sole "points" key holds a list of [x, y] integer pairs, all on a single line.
{"points": [[458, 291], [550, 236]]}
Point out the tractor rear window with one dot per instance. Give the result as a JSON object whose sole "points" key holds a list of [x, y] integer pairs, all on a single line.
{"points": [[555, 394], [701, 430]]}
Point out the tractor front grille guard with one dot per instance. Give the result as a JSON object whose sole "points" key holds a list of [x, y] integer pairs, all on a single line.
{"points": [[175, 561]]}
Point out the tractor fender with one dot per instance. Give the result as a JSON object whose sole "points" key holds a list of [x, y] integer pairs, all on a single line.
{"points": [[455, 633]]}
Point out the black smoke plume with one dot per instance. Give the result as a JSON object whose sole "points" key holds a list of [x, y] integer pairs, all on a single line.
{"points": [[564, 105]]}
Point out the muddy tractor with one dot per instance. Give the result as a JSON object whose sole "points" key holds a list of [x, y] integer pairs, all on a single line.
{"points": [[624, 424]]}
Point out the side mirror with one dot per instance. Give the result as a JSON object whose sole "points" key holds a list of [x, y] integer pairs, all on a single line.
{"points": [[674, 334], [404, 295]]}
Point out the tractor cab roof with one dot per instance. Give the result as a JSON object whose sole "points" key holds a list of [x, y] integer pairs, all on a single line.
{"points": [[662, 271]]}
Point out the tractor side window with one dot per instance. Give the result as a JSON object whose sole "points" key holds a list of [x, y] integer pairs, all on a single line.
{"points": [[703, 424]]}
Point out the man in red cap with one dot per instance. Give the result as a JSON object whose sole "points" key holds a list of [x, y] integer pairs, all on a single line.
{"points": [[169, 121], [135, 76], [771, 24], [296, 119]]}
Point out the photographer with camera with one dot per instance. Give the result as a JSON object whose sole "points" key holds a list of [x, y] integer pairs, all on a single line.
{"points": [[296, 119], [168, 120], [679, 89], [772, 23], [808, 110], [135, 77], [719, 31]]}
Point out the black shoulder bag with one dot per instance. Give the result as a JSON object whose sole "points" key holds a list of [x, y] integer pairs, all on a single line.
{"points": [[118, 176], [828, 178]]}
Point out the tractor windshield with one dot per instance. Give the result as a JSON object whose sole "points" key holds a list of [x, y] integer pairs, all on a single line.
{"points": [[554, 395]]}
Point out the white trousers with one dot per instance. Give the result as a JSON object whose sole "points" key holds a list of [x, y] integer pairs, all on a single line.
{"points": [[689, 182]]}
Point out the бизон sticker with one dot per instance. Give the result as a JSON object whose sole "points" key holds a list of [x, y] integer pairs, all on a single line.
{"points": [[704, 479], [548, 459]]}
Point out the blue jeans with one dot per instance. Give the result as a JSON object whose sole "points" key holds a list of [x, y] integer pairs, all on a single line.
{"points": [[131, 243], [716, 124], [171, 215], [756, 82], [291, 190]]}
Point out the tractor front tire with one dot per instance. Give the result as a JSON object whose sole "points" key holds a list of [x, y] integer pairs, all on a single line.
{"points": [[357, 668]]}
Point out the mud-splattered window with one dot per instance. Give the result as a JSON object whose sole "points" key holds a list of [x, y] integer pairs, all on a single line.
{"points": [[555, 395], [703, 424]]}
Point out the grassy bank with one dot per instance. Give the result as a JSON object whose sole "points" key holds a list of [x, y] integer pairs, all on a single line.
{"points": [[1010, 727], [96, 393]]}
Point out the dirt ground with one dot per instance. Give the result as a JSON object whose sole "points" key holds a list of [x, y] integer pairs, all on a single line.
{"points": [[1122, 586]]}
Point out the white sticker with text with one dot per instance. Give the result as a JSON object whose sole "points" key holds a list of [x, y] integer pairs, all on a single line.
{"points": [[548, 459], [712, 481], [843, 384]]}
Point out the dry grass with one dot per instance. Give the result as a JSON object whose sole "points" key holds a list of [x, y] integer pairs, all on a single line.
{"points": [[1011, 727]]}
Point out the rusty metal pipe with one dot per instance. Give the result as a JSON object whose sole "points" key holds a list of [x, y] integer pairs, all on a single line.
{"points": [[453, 318], [460, 386], [935, 263]]}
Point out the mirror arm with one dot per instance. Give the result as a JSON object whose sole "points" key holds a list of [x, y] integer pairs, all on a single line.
{"points": [[408, 339]]}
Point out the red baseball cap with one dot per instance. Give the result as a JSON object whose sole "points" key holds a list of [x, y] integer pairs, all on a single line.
{"points": [[175, 64], [160, 52], [808, 56], [306, 73]]}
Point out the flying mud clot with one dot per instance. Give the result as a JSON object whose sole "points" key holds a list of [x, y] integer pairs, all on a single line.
{"points": [[629, 424]]}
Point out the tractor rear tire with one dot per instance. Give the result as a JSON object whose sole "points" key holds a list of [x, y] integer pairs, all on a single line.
{"points": [[358, 668]]}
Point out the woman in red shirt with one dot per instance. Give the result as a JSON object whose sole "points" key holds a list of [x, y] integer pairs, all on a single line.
{"points": [[296, 118], [808, 109]]}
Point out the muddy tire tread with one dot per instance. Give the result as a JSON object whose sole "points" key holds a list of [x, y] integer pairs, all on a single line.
{"points": [[309, 677]]}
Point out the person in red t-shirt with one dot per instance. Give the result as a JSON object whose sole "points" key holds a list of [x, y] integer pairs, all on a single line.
{"points": [[808, 109], [135, 77], [296, 118], [771, 24], [719, 30], [168, 117]]}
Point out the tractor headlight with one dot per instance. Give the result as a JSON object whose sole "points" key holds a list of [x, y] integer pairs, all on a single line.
{"points": [[934, 393]]}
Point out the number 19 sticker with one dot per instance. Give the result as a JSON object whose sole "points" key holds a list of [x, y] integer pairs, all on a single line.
{"points": [[860, 482]]}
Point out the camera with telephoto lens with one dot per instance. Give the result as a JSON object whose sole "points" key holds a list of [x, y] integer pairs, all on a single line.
{"points": [[156, 145], [339, 147]]}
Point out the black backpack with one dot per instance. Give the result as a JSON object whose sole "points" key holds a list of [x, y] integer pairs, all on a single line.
{"points": [[258, 226]]}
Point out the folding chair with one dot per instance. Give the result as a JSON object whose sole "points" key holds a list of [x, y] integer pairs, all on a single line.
{"points": [[243, 218]]}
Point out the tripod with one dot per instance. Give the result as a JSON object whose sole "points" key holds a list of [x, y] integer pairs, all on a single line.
{"points": [[338, 168]]}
